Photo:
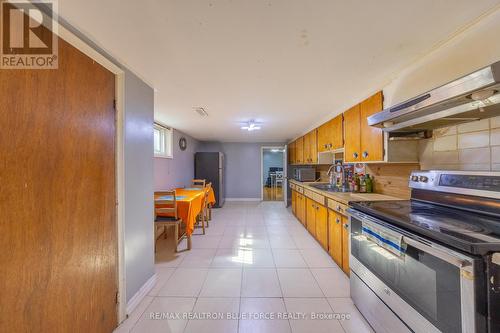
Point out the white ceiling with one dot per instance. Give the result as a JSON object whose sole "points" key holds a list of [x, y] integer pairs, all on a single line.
{"points": [[288, 64]]}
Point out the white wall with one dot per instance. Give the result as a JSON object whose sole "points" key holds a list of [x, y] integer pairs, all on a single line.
{"points": [[472, 146], [473, 49]]}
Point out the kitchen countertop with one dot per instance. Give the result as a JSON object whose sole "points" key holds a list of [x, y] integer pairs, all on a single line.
{"points": [[345, 197]]}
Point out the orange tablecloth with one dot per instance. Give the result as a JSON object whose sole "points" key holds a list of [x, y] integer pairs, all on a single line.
{"points": [[211, 196], [190, 205]]}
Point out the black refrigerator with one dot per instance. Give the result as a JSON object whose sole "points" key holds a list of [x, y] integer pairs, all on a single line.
{"points": [[210, 166]]}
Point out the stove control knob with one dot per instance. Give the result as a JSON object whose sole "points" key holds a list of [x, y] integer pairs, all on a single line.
{"points": [[423, 179], [414, 178]]}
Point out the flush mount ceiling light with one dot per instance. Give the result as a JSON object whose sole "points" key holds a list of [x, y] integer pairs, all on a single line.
{"points": [[251, 126], [201, 111]]}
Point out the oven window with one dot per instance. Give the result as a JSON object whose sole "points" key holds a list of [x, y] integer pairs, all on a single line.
{"points": [[428, 284]]}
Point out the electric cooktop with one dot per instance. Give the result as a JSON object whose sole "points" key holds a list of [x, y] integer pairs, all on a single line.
{"points": [[471, 232]]}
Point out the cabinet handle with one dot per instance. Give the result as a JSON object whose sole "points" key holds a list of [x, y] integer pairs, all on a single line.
{"points": [[346, 226], [325, 145], [337, 221], [339, 208], [365, 154], [355, 155]]}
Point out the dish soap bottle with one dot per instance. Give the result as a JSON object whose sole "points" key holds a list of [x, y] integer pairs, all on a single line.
{"points": [[369, 184]]}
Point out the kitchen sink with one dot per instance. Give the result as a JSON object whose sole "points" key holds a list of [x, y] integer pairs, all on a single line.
{"points": [[329, 188]]}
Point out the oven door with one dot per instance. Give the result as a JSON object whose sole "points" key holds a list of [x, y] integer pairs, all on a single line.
{"points": [[434, 286]]}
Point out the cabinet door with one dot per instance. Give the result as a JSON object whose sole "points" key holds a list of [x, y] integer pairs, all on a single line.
{"points": [[313, 147], [301, 208], [299, 150], [352, 135], [372, 138], [322, 139], [345, 245], [335, 236], [291, 153], [322, 225], [294, 203], [337, 132], [307, 148], [311, 216]]}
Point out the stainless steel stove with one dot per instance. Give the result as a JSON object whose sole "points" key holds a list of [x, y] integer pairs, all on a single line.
{"points": [[432, 263]]}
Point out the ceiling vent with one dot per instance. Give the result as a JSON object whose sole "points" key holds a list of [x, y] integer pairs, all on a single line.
{"points": [[201, 111]]}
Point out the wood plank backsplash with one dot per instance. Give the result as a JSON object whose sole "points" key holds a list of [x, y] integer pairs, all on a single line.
{"points": [[392, 178], [389, 178]]}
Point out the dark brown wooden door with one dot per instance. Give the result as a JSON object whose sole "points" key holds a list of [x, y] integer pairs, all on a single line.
{"points": [[58, 239]]}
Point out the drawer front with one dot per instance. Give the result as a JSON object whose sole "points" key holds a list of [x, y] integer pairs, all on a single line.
{"points": [[299, 189], [315, 196], [337, 206], [293, 187]]}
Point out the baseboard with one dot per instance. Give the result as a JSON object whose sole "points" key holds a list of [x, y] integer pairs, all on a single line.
{"points": [[243, 199], [139, 295]]}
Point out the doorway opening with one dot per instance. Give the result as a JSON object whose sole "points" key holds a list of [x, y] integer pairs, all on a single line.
{"points": [[273, 174]]}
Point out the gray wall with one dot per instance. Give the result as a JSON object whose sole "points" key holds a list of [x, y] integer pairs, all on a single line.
{"points": [[242, 169], [179, 170], [138, 140]]}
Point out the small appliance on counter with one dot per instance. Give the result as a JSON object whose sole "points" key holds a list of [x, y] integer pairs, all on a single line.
{"points": [[305, 174], [431, 263]]}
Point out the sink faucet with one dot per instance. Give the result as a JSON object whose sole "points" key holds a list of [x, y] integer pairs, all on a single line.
{"points": [[329, 173]]}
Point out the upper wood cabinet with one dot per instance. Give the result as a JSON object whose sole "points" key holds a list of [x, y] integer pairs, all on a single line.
{"points": [[331, 134], [352, 135], [363, 143], [299, 150], [372, 138], [291, 153], [310, 148]]}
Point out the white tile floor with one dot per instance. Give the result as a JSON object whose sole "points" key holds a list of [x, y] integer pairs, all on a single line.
{"points": [[256, 260]]}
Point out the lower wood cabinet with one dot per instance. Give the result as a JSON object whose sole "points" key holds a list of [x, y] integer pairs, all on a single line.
{"points": [[338, 239], [300, 206], [311, 216], [317, 221], [322, 226], [335, 236], [345, 245], [329, 227]]}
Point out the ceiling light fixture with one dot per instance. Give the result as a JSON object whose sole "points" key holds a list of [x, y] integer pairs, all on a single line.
{"points": [[251, 126], [201, 111]]}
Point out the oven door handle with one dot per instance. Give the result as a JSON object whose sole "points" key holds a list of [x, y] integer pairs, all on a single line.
{"points": [[449, 258]]}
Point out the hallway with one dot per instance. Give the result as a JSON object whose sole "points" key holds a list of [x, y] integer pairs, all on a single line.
{"points": [[256, 260]]}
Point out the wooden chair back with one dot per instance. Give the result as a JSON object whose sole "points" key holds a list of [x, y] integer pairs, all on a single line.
{"points": [[199, 183], [166, 206]]}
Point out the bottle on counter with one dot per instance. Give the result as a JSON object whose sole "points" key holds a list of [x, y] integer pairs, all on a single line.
{"points": [[362, 183], [369, 184], [356, 182]]}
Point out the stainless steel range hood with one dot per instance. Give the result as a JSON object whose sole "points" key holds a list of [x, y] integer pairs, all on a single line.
{"points": [[472, 97]]}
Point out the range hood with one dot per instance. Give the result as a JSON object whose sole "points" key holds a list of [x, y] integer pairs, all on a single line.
{"points": [[472, 97]]}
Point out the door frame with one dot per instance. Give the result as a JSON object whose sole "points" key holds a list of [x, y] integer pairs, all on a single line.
{"points": [[75, 41], [262, 148]]}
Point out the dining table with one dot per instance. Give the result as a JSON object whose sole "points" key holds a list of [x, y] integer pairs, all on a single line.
{"points": [[190, 203]]}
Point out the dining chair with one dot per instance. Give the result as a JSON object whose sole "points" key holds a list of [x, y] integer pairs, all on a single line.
{"points": [[169, 217], [199, 183], [208, 206]]}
